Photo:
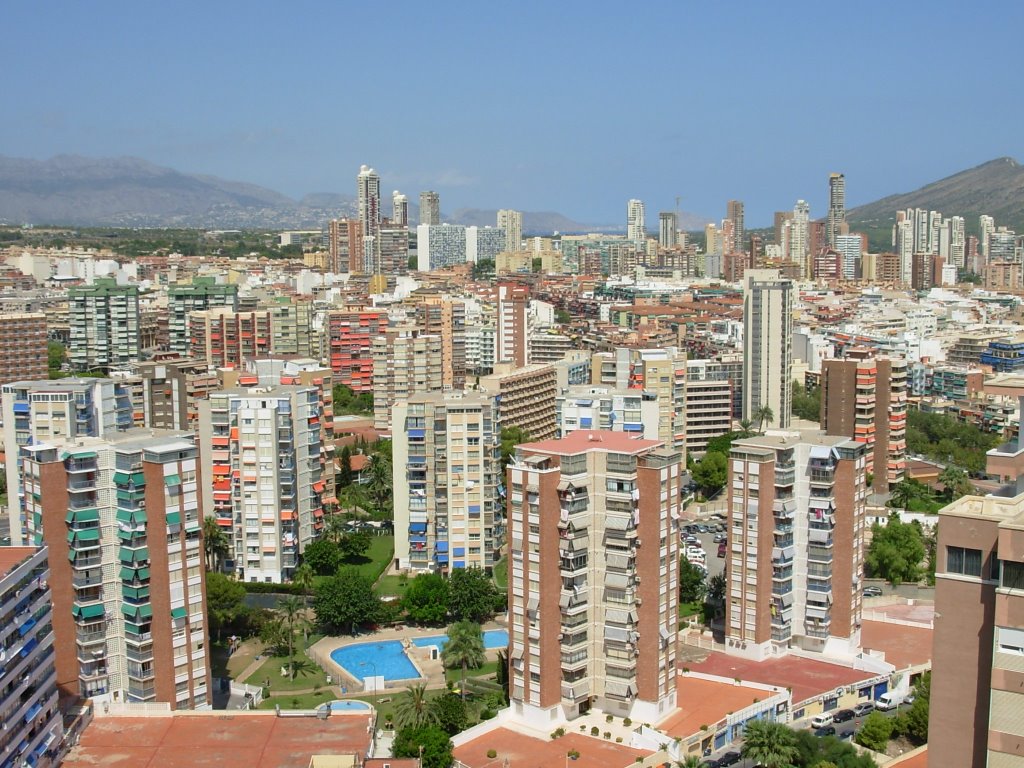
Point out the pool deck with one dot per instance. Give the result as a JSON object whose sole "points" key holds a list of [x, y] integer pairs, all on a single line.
{"points": [[432, 670]]}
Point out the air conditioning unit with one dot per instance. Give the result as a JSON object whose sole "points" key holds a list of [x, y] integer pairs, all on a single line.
{"points": [[636, 579], [561, 635], [638, 542], [639, 601]]}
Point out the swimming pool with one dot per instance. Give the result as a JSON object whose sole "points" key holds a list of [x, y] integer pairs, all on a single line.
{"points": [[493, 638], [342, 705], [385, 658]]}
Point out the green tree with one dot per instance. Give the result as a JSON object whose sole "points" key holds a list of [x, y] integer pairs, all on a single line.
{"points": [[562, 317], [955, 481], [510, 438], [896, 552], [304, 578], [716, 589], [345, 601], [225, 601], [465, 648], [353, 545], [437, 747], [345, 468], [711, 473], [806, 405], [412, 710], [323, 556], [450, 713], [55, 354], [472, 595], [692, 587], [273, 635], [769, 743], [690, 761], [215, 543], [875, 732], [917, 715], [746, 428], [502, 674], [537, 264], [380, 483], [426, 599], [483, 268]]}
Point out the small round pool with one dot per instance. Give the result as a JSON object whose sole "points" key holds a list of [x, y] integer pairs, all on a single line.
{"points": [[347, 705]]}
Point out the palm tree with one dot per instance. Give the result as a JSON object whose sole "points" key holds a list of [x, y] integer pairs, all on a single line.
{"points": [[955, 481], [304, 578], [769, 743], [413, 710], [215, 543], [902, 494], [380, 482], [291, 610], [691, 761], [465, 648], [763, 414], [746, 427], [334, 528]]}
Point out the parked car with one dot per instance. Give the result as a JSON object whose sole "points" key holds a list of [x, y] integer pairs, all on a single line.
{"points": [[864, 708], [847, 735], [872, 591], [729, 758], [828, 730], [843, 715], [820, 721], [719, 537], [889, 700]]}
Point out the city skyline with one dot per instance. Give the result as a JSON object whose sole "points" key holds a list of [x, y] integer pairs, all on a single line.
{"points": [[228, 108]]}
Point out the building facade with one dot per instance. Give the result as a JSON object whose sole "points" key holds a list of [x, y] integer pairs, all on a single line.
{"points": [[796, 545], [447, 482], [104, 325], [593, 577], [32, 724], [614, 410], [977, 669], [866, 400], [264, 454], [122, 519], [226, 338], [526, 398], [404, 362], [349, 333], [171, 390], [767, 346], [23, 347], [202, 293]]}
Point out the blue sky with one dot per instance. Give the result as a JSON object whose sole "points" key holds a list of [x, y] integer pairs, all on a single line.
{"points": [[567, 106]]}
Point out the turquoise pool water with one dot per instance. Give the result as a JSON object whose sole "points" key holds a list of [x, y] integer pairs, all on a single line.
{"points": [[341, 705], [385, 658], [493, 638]]}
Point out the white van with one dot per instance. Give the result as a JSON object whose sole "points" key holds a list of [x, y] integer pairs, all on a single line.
{"points": [[820, 721], [889, 700]]}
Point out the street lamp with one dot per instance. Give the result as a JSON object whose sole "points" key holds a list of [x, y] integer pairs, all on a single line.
{"points": [[374, 666]]}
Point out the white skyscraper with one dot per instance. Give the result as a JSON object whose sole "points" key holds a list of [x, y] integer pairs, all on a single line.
{"points": [[767, 346], [368, 196], [512, 223], [986, 226], [850, 246], [800, 237], [399, 209], [636, 222]]}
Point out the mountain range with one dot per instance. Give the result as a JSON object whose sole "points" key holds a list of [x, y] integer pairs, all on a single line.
{"points": [[995, 188], [129, 192]]}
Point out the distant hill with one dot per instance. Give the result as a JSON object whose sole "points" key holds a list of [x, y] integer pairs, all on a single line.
{"points": [[129, 192], [995, 188]]}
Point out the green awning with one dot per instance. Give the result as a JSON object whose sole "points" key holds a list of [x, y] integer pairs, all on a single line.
{"points": [[91, 611], [172, 480], [78, 455], [123, 478], [83, 534], [133, 572], [134, 555], [134, 612], [178, 613], [135, 593], [131, 516], [124, 535], [136, 494], [191, 525], [174, 518], [132, 628], [82, 516]]}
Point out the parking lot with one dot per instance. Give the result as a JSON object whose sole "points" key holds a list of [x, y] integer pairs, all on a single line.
{"points": [[714, 564]]}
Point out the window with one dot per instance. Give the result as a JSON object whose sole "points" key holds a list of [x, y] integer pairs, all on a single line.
{"points": [[1013, 575], [966, 562], [1009, 640]]}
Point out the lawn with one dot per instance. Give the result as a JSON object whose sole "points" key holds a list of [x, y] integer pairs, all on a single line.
{"points": [[374, 561], [307, 675], [489, 669], [501, 574], [392, 584]]}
